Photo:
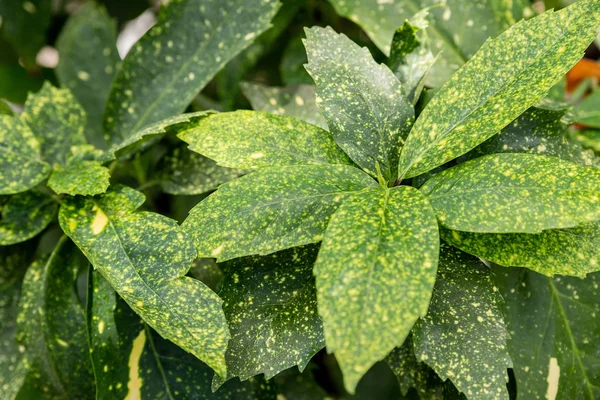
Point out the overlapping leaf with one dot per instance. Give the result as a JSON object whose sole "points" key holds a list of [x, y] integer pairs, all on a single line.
{"points": [[51, 326], [88, 63], [271, 209], [271, 307], [25, 215], [508, 193], [191, 42], [554, 333], [508, 75], [21, 165], [145, 256], [294, 101], [252, 139], [362, 101], [25, 24], [463, 336], [371, 284]]}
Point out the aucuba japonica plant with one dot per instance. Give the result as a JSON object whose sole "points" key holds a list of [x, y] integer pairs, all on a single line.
{"points": [[430, 211]]}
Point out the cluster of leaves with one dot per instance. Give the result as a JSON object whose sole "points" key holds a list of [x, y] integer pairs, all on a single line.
{"points": [[367, 208]]}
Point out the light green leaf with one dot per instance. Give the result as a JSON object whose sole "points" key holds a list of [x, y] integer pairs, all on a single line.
{"points": [[294, 101], [362, 101], [133, 361], [456, 32], [271, 307], [272, 209], [411, 59], [554, 333], [86, 177], [252, 139], [371, 284], [537, 131], [414, 374], [89, 62], [511, 193], [24, 25], [183, 172], [588, 111], [51, 325], [463, 336], [145, 257], [508, 75], [589, 139], [57, 121], [21, 166], [25, 215], [573, 251], [164, 71], [5, 108]]}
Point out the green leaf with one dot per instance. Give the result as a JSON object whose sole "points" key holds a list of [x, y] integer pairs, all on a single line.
{"points": [[51, 325], [24, 25], [83, 177], [572, 251], [371, 284], [300, 386], [463, 336], [588, 111], [589, 139], [537, 131], [5, 108], [511, 193], [294, 101], [412, 373], [145, 257], [166, 69], [411, 59], [508, 75], [456, 32], [183, 172], [57, 121], [362, 101], [88, 63], [271, 307], [14, 260], [554, 333], [253, 139], [25, 215], [272, 209], [12, 368], [21, 166], [294, 58]]}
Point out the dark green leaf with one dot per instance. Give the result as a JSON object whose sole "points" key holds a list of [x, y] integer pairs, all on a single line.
{"points": [[88, 63], [511, 193], [457, 30], [537, 131], [5, 108], [362, 101], [24, 25], [253, 139], [300, 386], [573, 251], [12, 368], [412, 373], [21, 166], [164, 71], [508, 75], [57, 121], [271, 307], [294, 101], [51, 326], [14, 260], [25, 215], [272, 209], [292, 63], [589, 139], [145, 257], [554, 333], [371, 284], [184, 172], [463, 336]]}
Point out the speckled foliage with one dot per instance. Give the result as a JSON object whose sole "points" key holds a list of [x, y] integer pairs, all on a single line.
{"points": [[362, 101], [24, 216], [370, 284], [463, 336], [165, 70], [509, 193], [145, 256], [271, 307]]}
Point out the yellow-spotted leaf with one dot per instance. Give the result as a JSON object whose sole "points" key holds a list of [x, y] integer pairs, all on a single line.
{"points": [[372, 285], [145, 257]]}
